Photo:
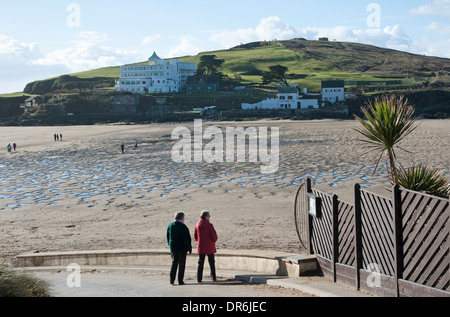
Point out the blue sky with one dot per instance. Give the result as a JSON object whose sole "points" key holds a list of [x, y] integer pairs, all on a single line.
{"points": [[41, 39]]}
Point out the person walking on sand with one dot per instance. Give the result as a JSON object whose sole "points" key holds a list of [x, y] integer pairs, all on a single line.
{"points": [[54, 136], [8, 147], [60, 136], [206, 238], [179, 241], [14, 146], [122, 147]]}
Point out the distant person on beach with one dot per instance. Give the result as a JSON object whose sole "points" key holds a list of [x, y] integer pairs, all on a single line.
{"points": [[179, 241], [122, 147], [136, 146], [8, 147], [206, 238], [60, 137], [57, 137], [54, 136], [14, 146]]}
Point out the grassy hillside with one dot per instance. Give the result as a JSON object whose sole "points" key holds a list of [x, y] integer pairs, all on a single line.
{"points": [[310, 61]]}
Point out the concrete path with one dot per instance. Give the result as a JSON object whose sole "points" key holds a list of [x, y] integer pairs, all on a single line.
{"points": [[154, 282]]}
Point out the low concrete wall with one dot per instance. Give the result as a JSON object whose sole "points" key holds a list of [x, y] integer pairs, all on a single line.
{"points": [[264, 262]]}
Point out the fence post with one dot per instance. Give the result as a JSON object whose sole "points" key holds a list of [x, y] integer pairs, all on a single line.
{"points": [[335, 235], [398, 236], [358, 234], [310, 219]]}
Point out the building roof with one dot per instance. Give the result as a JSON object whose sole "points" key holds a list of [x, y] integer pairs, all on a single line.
{"points": [[333, 84], [195, 80], [288, 90], [154, 57], [126, 100], [32, 98]]}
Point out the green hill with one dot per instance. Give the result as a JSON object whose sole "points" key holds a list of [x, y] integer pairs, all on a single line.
{"points": [[310, 62]]}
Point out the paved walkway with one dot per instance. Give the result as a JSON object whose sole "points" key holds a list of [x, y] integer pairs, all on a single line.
{"points": [[153, 282]]}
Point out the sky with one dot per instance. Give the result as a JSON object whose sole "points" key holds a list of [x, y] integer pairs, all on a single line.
{"points": [[47, 38]]}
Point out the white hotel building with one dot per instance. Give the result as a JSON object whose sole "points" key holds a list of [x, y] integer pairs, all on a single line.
{"points": [[159, 76]]}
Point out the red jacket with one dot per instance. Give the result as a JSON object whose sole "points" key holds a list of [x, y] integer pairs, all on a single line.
{"points": [[206, 236]]}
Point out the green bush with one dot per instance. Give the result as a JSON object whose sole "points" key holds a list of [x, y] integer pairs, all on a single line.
{"points": [[20, 284], [421, 178]]}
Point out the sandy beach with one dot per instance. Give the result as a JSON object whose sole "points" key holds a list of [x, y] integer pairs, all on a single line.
{"points": [[82, 193]]}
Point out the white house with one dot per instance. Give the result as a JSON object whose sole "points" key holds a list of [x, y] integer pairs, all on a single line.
{"points": [[159, 76], [333, 91], [288, 98], [32, 102]]}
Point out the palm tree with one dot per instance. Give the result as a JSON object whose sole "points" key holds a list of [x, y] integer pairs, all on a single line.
{"points": [[387, 122]]}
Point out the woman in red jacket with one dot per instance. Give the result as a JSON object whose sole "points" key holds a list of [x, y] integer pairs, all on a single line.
{"points": [[206, 238]]}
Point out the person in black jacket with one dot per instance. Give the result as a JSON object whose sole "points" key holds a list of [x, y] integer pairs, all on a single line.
{"points": [[179, 241]]}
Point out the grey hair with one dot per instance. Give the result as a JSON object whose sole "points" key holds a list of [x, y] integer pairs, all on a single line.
{"points": [[179, 215], [204, 214]]}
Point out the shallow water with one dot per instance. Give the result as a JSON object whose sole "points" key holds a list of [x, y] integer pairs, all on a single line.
{"points": [[44, 180]]}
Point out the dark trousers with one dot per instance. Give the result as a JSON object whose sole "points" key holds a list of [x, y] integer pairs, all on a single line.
{"points": [[201, 264], [178, 263]]}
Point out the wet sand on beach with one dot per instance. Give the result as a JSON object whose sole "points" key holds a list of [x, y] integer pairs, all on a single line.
{"points": [[83, 194]]}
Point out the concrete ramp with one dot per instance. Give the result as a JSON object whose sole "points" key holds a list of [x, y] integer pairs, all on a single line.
{"points": [[261, 262]]}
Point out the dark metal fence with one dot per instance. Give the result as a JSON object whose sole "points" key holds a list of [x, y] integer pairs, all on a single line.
{"points": [[387, 247]]}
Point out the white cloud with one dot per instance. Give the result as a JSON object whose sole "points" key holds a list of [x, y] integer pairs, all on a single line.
{"points": [[14, 50], [15, 67], [438, 29], [188, 45], [273, 28], [85, 56], [93, 36], [268, 29], [431, 47], [150, 39], [437, 7], [22, 62], [437, 42]]}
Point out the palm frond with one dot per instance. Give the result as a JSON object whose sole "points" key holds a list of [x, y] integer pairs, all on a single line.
{"points": [[419, 177], [387, 122]]}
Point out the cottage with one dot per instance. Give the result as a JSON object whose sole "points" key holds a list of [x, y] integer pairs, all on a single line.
{"points": [[196, 84], [288, 98], [125, 104], [333, 91], [32, 102]]}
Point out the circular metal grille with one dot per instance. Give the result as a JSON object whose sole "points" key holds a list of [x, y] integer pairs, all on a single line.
{"points": [[301, 216]]}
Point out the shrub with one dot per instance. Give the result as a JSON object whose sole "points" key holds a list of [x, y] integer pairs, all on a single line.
{"points": [[421, 178], [20, 284]]}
